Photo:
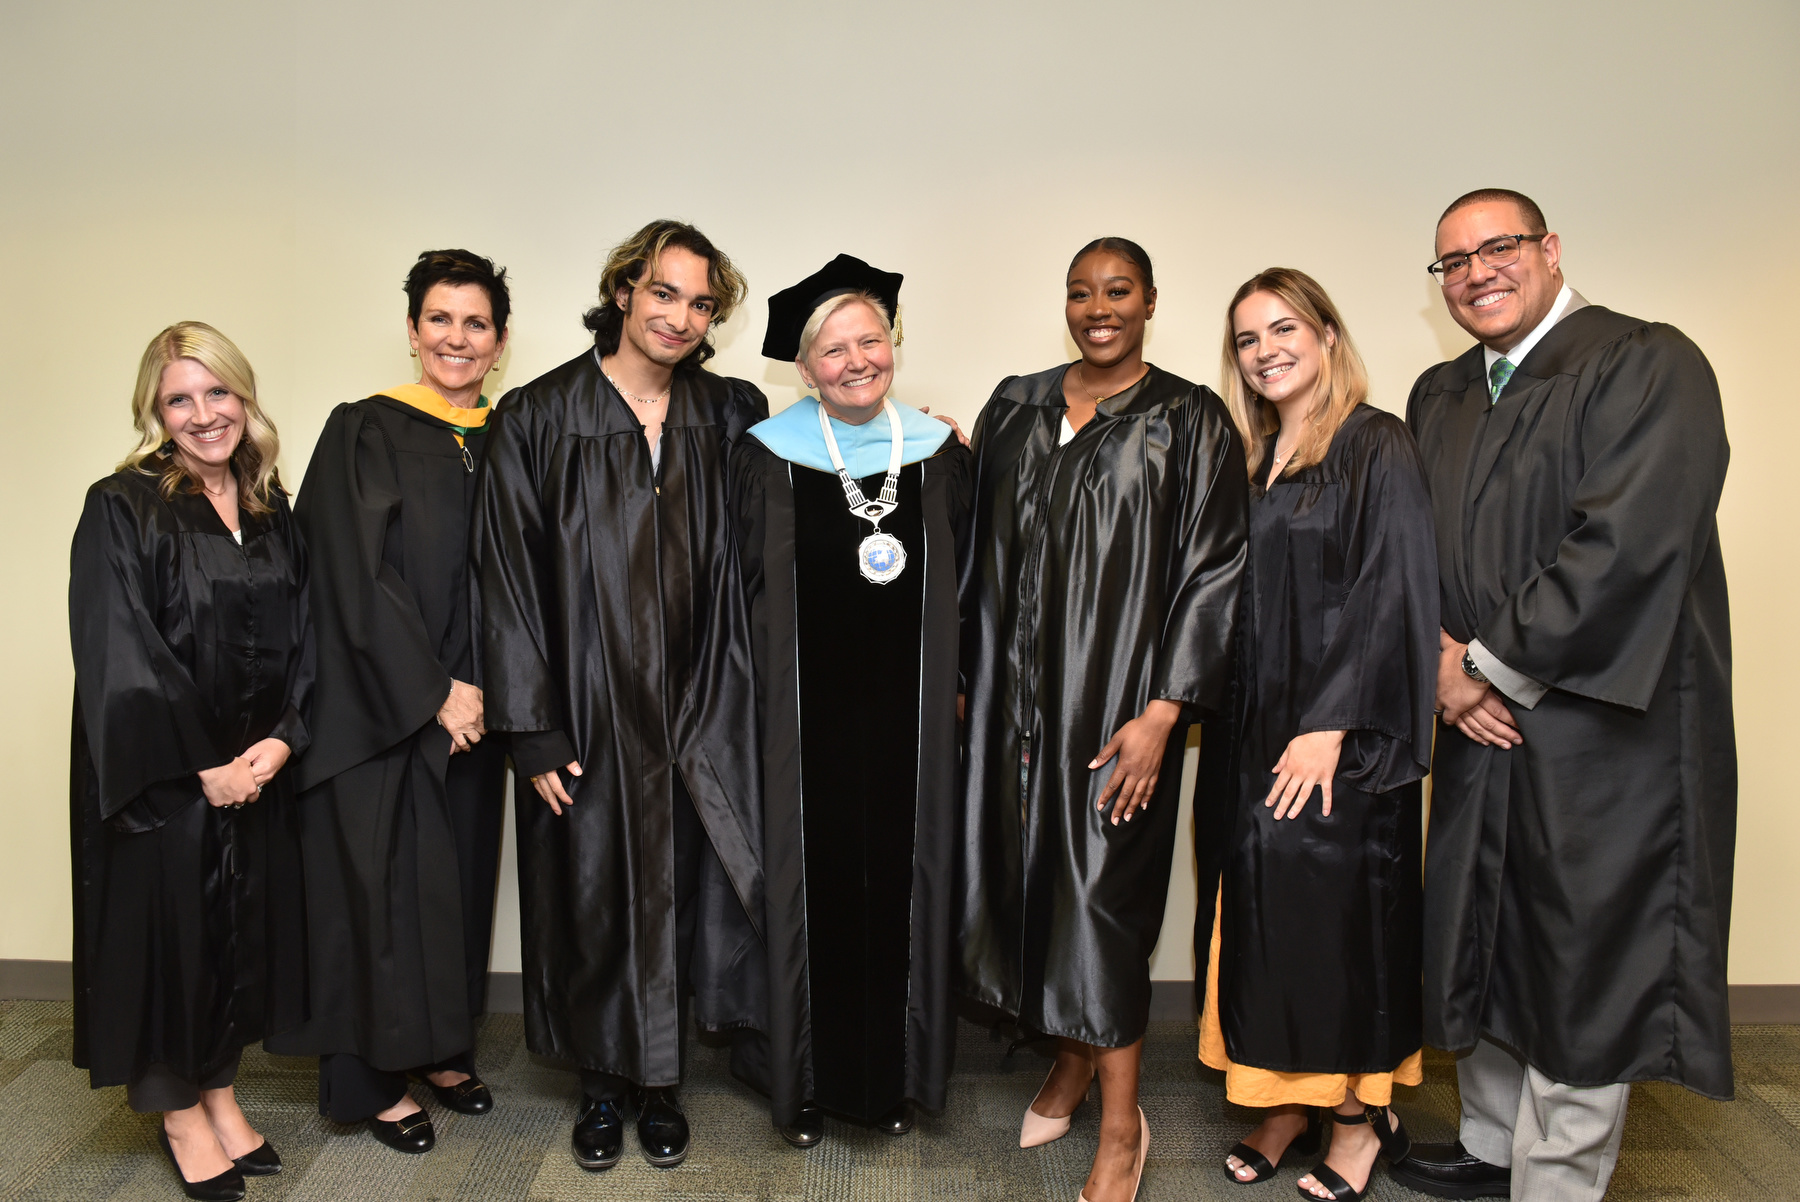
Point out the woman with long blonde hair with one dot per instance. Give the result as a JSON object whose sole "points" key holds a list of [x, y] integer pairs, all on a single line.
{"points": [[1313, 983], [187, 618]]}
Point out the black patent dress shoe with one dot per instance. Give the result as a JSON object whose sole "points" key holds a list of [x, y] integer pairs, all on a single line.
{"points": [[465, 1097], [807, 1129], [599, 1137], [226, 1187], [408, 1133], [662, 1128], [260, 1161], [1449, 1171], [897, 1121]]}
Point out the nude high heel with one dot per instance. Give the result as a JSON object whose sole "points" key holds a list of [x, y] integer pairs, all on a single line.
{"points": [[1143, 1154], [1036, 1129]]}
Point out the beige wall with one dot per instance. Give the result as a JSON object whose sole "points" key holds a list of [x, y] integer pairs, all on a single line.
{"points": [[274, 169]]}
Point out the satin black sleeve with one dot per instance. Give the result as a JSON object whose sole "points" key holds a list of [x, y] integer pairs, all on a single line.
{"points": [[292, 728], [1377, 673], [379, 678], [1598, 620], [512, 554], [1207, 560], [146, 721]]}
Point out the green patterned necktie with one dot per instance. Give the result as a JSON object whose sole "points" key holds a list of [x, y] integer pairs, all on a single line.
{"points": [[1498, 375]]}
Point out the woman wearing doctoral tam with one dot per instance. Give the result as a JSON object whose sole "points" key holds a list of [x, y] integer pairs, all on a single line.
{"points": [[1099, 606], [187, 618], [403, 797], [849, 510]]}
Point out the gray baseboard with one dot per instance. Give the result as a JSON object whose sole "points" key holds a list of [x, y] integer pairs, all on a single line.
{"points": [[1170, 1001]]}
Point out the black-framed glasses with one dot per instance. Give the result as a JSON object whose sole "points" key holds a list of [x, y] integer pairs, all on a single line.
{"points": [[1495, 252]]}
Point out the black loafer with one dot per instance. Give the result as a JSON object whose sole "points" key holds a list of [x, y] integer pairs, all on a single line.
{"points": [[1449, 1171], [662, 1128], [465, 1097], [807, 1129], [260, 1161], [226, 1187], [599, 1136], [409, 1133], [897, 1121]]}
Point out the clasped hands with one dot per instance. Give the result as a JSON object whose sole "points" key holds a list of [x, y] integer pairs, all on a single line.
{"points": [[241, 781], [461, 716], [1469, 705]]}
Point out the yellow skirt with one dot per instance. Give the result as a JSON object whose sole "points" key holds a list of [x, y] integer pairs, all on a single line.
{"points": [[1248, 1086]]}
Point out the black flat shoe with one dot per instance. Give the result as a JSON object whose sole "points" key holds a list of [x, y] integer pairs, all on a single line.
{"points": [[465, 1097], [260, 1161], [226, 1187], [1395, 1145], [410, 1133], [1304, 1144], [598, 1140], [662, 1128], [897, 1121], [807, 1129], [1450, 1171]]}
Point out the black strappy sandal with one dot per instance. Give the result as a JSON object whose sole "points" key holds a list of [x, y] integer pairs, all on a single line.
{"points": [[1305, 1143], [1395, 1144]]}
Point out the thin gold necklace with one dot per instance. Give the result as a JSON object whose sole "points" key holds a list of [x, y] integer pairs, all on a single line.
{"points": [[1081, 371], [634, 397]]}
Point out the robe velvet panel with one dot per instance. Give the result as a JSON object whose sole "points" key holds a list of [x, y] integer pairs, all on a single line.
{"points": [[1320, 944], [188, 648], [613, 632], [1578, 888], [839, 658], [1102, 575]]}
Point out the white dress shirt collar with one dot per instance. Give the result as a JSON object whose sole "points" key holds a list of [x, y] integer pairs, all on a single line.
{"points": [[1517, 355]]}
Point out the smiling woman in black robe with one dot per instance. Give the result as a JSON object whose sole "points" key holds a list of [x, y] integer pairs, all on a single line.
{"points": [[403, 798], [1313, 983], [1098, 612], [187, 619], [856, 683]]}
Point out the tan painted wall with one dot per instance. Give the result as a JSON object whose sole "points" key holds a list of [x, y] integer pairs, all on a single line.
{"points": [[274, 169]]}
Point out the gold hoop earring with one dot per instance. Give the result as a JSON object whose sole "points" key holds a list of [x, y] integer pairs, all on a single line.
{"points": [[414, 353]]}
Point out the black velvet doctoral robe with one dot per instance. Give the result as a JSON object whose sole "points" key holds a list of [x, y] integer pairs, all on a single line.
{"points": [[1578, 888], [614, 634], [1102, 575], [188, 648], [857, 684], [1320, 926], [385, 510]]}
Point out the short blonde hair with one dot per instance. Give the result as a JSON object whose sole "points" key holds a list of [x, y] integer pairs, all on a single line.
{"points": [[809, 333], [254, 459], [1343, 380]]}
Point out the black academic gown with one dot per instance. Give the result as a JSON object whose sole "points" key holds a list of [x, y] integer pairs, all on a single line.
{"points": [[385, 511], [614, 634], [1102, 575], [857, 687], [1578, 888], [1319, 925], [188, 648]]}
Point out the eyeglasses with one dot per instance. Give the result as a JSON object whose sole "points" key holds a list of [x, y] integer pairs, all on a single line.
{"points": [[1495, 252]]}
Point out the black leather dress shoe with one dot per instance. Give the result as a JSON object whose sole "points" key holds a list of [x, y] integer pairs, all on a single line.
{"points": [[662, 1128], [465, 1097], [599, 1137], [807, 1129], [260, 1161], [408, 1133], [1449, 1171], [226, 1187], [897, 1121]]}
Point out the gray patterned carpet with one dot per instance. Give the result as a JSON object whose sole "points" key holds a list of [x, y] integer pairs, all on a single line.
{"points": [[61, 1140]]}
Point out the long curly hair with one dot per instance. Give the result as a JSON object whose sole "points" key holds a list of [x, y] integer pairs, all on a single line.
{"points": [[626, 265]]}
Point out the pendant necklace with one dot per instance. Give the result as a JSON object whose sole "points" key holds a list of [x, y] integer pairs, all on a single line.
{"points": [[633, 397], [880, 557]]}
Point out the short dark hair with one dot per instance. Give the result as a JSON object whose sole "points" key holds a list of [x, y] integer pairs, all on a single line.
{"points": [[1125, 248], [1534, 216], [625, 267], [458, 267]]}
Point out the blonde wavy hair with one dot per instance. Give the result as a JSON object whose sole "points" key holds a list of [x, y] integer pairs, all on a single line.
{"points": [[1343, 380], [254, 460]]}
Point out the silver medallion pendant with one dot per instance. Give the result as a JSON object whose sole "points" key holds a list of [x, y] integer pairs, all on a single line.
{"points": [[881, 558]]}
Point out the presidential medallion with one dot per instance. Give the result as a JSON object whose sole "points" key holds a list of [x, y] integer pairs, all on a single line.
{"points": [[881, 558]]}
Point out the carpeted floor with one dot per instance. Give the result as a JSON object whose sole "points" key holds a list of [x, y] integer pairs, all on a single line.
{"points": [[61, 1140]]}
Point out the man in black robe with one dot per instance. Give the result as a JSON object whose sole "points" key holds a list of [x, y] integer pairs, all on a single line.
{"points": [[1584, 807], [615, 648]]}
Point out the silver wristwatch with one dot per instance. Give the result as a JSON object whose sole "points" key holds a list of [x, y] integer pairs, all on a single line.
{"points": [[1471, 671]]}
